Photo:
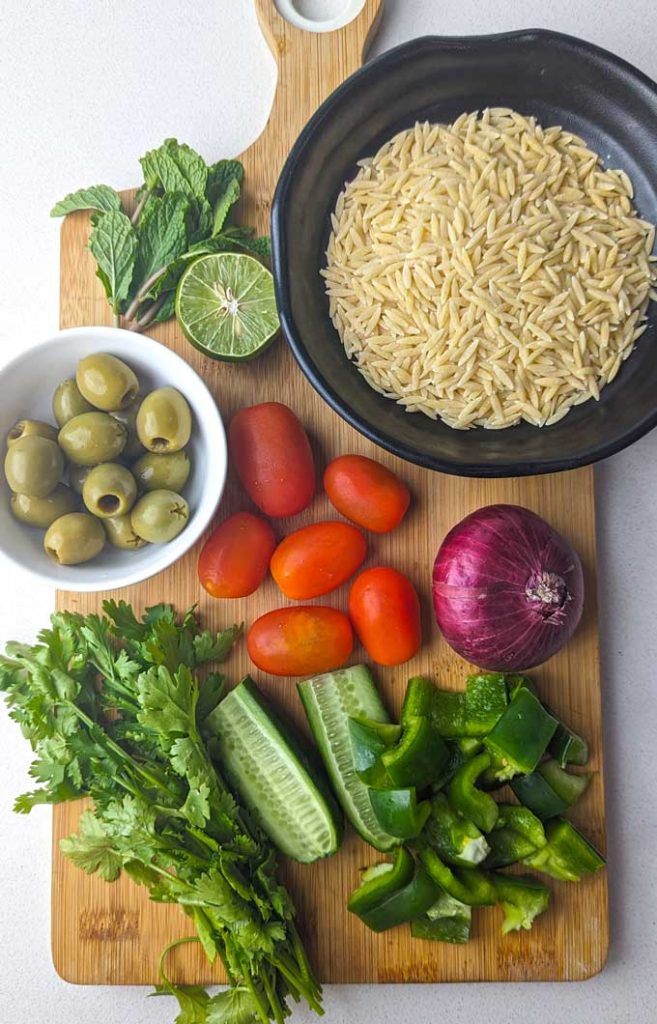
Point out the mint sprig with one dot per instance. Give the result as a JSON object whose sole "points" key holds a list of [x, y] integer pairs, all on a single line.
{"points": [[184, 210]]}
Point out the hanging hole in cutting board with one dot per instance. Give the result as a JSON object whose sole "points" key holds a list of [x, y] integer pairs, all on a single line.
{"points": [[319, 15]]}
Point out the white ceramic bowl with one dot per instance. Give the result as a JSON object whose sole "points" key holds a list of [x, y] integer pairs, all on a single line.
{"points": [[26, 388]]}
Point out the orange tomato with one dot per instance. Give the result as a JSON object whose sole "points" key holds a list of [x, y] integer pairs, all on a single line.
{"points": [[385, 611], [366, 492], [235, 558], [273, 458], [300, 641], [317, 559]]}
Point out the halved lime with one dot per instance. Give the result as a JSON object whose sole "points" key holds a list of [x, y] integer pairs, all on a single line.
{"points": [[226, 307]]}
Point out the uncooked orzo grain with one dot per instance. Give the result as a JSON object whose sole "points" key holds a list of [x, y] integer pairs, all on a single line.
{"points": [[488, 271]]}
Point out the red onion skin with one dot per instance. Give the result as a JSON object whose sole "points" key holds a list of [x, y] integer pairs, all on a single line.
{"points": [[508, 590]]}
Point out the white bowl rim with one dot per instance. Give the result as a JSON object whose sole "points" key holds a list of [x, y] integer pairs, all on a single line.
{"points": [[201, 516]]}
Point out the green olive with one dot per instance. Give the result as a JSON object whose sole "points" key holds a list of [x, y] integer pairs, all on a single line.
{"points": [[92, 438], [159, 516], [164, 421], [156, 472], [121, 534], [43, 511], [128, 417], [74, 538], [31, 428], [109, 490], [77, 476], [67, 402], [107, 382], [34, 466]]}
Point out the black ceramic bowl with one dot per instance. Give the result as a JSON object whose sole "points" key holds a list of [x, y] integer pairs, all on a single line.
{"points": [[560, 80]]}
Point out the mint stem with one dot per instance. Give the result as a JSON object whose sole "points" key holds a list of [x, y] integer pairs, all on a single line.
{"points": [[140, 206]]}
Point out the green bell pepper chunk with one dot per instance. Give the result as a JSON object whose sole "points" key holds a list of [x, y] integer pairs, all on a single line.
{"points": [[448, 713], [517, 834], [469, 746], [485, 702], [567, 747], [522, 899], [448, 920], [507, 847], [522, 734], [419, 756], [550, 790], [536, 793], [522, 821], [516, 681], [369, 739], [398, 812], [473, 803], [457, 840], [418, 699], [567, 855], [382, 880], [455, 759], [406, 903], [468, 885]]}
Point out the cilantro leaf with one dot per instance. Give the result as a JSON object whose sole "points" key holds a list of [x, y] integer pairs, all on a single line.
{"points": [[192, 1000], [98, 197], [168, 701], [175, 167], [210, 693], [92, 849], [215, 646], [113, 244], [235, 1006]]}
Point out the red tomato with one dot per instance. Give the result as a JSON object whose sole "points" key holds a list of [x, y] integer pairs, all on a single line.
{"points": [[385, 611], [273, 458], [300, 641], [235, 558], [316, 559], [366, 492]]}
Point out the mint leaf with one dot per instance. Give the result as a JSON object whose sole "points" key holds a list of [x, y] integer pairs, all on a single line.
{"points": [[98, 197], [92, 849], [221, 208], [113, 244], [162, 235], [167, 309], [219, 176], [175, 167]]}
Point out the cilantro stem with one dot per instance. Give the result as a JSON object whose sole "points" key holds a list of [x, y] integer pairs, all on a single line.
{"points": [[262, 1009], [166, 981]]}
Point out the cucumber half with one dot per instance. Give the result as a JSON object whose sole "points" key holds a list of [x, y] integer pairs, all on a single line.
{"points": [[330, 700], [274, 776]]}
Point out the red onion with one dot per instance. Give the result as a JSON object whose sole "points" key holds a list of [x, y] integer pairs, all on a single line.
{"points": [[508, 590]]}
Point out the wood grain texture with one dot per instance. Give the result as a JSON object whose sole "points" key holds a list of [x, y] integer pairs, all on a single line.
{"points": [[112, 934]]}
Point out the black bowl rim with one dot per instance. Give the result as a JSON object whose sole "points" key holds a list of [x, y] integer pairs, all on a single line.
{"points": [[398, 53]]}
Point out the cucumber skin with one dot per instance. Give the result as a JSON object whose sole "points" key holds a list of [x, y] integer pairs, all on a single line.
{"points": [[374, 710], [307, 757]]}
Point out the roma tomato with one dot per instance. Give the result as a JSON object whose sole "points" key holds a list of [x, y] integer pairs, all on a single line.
{"points": [[272, 455], [366, 492], [318, 558], [385, 611], [235, 558], [300, 641]]}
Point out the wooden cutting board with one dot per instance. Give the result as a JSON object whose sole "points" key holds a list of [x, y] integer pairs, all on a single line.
{"points": [[112, 934]]}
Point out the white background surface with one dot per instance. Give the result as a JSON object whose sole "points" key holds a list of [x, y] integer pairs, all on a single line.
{"points": [[86, 86]]}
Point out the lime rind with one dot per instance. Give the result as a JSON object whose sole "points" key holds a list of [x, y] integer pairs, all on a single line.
{"points": [[226, 307]]}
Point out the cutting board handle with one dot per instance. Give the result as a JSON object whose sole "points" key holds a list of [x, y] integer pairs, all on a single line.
{"points": [[310, 66]]}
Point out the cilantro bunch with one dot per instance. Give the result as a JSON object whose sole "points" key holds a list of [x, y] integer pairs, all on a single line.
{"points": [[183, 211], [113, 709]]}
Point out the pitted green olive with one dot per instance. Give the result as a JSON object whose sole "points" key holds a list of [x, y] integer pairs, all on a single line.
{"points": [[107, 382], [156, 472], [109, 490], [159, 516], [42, 512], [121, 534], [34, 466], [92, 438], [31, 428], [67, 402], [128, 417], [74, 538], [164, 421]]}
